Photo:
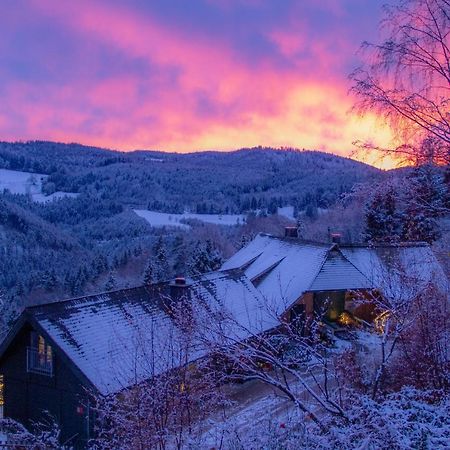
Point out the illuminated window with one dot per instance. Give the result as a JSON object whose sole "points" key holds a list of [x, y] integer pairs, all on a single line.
{"points": [[39, 356], [2, 395]]}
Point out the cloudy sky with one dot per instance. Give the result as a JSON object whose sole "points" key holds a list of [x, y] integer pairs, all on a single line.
{"points": [[184, 75]]}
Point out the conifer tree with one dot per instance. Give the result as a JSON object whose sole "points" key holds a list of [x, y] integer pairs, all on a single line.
{"points": [[245, 240], [382, 216], [161, 269], [426, 199], [8, 312], [180, 252], [148, 273], [111, 283], [205, 258]]}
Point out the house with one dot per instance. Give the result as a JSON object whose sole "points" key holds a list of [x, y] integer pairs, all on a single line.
{"points": [[59, 356], [299, 277]]}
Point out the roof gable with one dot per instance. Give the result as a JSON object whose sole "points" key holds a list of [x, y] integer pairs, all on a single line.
{"points": [[338, 273], [289, 267], [292, 267], [121, 338]]}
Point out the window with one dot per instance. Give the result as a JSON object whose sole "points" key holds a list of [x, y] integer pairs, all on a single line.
{"points": [[2, 395], [39, 356]]}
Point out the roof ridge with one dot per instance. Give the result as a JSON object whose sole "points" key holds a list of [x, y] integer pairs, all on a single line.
{"points": [[268, 269], [320, 268], [369, 246], [366, 245], [339, 250], [90, 296], [85, 298]]}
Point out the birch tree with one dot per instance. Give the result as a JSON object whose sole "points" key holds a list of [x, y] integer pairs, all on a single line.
{"points": [[405, 79]]}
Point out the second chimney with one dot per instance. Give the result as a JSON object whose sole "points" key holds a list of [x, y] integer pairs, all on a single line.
{"points": [[336, 238], [291, 232]]}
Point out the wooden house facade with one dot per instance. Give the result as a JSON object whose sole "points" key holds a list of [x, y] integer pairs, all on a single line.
{"points": [[60, 356]]}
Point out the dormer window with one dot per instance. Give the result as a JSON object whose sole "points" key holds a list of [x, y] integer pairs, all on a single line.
{"points": [[39, 356]]}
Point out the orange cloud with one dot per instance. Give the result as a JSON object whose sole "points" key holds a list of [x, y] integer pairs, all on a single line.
{"points": [[194, 93]]}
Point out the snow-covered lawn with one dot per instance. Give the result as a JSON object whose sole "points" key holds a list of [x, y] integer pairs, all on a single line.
{"points": [[255, 403], [286, 211], [18, 182], [21, 182], [42, 198], [159, 219]]}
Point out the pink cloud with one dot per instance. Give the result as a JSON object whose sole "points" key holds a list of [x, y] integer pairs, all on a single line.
{"points": [[199, 94]]}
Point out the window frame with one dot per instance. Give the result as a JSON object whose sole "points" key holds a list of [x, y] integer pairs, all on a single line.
{"points": [[40, 359]]}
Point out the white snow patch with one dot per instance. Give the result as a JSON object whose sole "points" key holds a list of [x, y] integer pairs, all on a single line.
{"points": [[21, 182], [286, 211], [42, 198], [159, 219], [27, 183]]}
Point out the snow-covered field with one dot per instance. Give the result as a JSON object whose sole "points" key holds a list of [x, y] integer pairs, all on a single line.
{"points": [[42, 198], [21, 182], [159, 219], [286, 211], [28, 183]]}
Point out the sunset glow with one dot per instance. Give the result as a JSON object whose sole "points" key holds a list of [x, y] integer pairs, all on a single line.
{"points": [[185, 76]]}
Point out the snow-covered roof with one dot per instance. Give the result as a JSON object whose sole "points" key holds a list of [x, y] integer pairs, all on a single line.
{"points": [[400, 271], [298, 265], [338, 273], [121, 338], [284, 269]]}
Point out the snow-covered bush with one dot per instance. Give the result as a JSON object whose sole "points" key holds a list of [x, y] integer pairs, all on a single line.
{"points": [[409, 419], [44, 437], [423, 359]]}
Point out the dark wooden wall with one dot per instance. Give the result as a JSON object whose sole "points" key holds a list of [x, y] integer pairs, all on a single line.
{"points": [[28, 395]]}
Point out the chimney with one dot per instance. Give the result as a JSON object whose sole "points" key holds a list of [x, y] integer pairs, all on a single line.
{"points": [[178, 287], [291, 232], [180, 281], [179, 302], [179, 290], [336, 238]]}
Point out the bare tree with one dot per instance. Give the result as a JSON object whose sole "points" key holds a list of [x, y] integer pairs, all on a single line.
{"points": [[405, 283], [297, 366], [169, 392], [45, 435], [423, 358], [406, 79]]}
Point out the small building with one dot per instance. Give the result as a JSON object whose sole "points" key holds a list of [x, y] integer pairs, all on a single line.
{"points": [[299, 278], [59, 356]]}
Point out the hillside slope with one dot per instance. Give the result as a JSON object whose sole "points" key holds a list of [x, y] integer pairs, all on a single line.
{"points": [[209, 182], [71, 246]]}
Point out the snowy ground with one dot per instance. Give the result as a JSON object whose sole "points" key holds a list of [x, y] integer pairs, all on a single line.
{"points": [[21, 182], [254, 403], [159, 219], [286, 211], [42, 198], [28, 183]]}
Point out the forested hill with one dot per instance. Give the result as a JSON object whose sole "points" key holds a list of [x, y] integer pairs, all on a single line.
{"points": [[207, 182], [94, 241]]}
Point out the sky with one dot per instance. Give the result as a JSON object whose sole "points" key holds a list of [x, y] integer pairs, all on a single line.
{"points": [[185, 75]]}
